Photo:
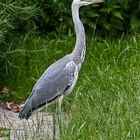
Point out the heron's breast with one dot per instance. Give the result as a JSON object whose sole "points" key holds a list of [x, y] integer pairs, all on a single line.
{"points": [[73, 82]]}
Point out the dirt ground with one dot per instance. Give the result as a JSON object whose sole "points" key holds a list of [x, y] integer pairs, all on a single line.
{"points": [[38, 126]]}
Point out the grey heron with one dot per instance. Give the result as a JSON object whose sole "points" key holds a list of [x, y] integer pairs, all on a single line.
{"points": [[60, 78]]}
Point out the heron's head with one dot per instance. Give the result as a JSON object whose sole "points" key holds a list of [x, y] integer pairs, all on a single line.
{"points": [[86, 2]]}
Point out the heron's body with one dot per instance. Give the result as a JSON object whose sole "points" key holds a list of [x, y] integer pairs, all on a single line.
{"points": [[60, 78]]}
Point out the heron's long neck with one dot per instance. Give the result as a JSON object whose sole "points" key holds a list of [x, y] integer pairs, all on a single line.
{"points": [[80, 47]]}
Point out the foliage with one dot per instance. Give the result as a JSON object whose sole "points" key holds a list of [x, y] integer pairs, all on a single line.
{"points": [[15, 19], [42, 16]]}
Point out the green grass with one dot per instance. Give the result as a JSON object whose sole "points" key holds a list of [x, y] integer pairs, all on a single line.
{"points": [[4, 132], [105, 104]]}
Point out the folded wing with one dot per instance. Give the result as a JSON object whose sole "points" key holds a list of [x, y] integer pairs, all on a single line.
{"points": [[51, 85]]}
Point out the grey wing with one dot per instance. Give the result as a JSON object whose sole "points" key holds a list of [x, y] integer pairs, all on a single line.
{"points": [[49, 87]]}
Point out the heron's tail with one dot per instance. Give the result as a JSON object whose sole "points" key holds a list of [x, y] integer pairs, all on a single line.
{"points": [[29, 108], [26, 112]]}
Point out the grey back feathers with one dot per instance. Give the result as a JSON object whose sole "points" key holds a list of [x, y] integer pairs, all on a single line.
{"points": [[60, 78]]}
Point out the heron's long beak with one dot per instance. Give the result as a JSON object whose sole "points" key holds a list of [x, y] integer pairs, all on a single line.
{"points": [[97, 1]]}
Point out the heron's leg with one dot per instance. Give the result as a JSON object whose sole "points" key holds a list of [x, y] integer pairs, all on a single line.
{"points": [[59, 102]]}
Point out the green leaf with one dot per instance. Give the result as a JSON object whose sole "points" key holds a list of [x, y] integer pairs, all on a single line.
{"points": [[47, 19], [106, 9], [107, 25], [118, 15], [92, 14], [135, 22], [115, 6], [92, 24]]}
